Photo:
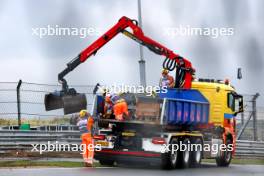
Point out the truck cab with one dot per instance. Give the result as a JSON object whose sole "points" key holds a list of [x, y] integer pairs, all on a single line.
{"points": [[225, 103]]}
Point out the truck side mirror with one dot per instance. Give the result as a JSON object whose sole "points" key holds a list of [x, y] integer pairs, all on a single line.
{"points": [[239, 104], [235, 102], [239, 73]]}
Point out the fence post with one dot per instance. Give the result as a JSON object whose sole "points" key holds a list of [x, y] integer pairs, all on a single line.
{"points": [[254, 114], [242, 118], [18, 103]]}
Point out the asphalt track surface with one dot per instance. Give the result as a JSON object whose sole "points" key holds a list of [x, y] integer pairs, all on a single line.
{"points": [[204, 170]]}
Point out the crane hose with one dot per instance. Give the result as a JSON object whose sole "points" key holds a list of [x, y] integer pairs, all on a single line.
{"points": [[171, 64]]}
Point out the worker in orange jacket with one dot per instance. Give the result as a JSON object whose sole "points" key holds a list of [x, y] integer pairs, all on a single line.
{"points": [[108, 107], [120, 107], [166, 80], [86, 126]]}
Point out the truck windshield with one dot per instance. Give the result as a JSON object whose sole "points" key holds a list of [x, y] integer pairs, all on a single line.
{"points": [[231, 101]]}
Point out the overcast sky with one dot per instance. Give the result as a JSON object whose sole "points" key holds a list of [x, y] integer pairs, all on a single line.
{"points": [[33, 59]]}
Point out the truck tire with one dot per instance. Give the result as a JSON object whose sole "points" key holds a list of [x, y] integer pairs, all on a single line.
{"points": [[185, 156], [170, 160], [174, 155], [225, 157], [106, 162], [196, 155]]}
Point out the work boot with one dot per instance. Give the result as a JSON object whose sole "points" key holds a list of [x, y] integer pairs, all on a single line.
{"points": [[88, 164]]}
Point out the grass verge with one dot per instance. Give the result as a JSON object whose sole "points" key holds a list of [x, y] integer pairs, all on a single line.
{"points": [[26, 163], [240, 161], [32, 163]]}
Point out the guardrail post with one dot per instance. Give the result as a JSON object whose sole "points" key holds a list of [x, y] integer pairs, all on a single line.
{"points": [[254, 115], [18, 102]]}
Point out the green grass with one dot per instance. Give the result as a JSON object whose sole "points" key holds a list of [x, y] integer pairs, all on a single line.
{"points": [[26, 163], [240, 161], [33, 163], [36, 121]]}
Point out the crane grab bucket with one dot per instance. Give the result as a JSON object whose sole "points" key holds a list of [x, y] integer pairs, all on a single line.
{"points": [[71, 102]]}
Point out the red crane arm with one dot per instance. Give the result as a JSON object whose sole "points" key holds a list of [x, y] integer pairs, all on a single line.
{"points": [[174, 59]]}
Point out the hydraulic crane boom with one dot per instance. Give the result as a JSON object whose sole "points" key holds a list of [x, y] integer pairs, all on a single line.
{"points": [[183, 67]]}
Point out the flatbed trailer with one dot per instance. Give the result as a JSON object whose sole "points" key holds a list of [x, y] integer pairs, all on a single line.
{"points": [[146, 142], [153, 138]]}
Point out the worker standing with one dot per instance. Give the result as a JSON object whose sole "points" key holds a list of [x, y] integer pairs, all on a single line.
{"points": [[86, 128], [108, 107], [120, 107], [166, 80]]}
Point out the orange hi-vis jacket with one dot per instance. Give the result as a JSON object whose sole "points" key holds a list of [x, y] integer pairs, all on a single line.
{"points": [[87, 139], [120, 108], [90, 123], [167, 81]]}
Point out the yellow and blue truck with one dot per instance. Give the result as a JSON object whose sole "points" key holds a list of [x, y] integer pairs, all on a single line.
{"points": [[195, 113], [202, 117]]}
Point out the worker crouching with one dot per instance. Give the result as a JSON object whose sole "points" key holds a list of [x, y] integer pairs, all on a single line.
{"points": [[120, 108], [86, 128]]}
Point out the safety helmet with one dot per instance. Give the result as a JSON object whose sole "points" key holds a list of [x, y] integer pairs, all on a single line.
{"points": [[114, 98], [83, 113], [165, 71]]}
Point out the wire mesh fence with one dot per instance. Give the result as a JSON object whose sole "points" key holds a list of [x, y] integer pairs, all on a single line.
{"points": [[246, 119], [32, 103], [33, 109]]}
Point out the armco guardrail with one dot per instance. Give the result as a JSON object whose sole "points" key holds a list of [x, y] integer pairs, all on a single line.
{"points": [[44, 128], [11, 140], [250, 149], [23, 140]]}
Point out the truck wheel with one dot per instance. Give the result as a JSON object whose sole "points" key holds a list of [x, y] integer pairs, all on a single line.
{"points": [[174, 155], [171, 159], [196, 155], [107, 162], [225, 156], [185, 156]]}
